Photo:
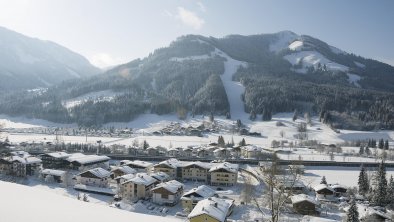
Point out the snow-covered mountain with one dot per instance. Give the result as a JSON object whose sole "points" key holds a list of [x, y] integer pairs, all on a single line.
{"points": [[30, 63], [236, 76]]}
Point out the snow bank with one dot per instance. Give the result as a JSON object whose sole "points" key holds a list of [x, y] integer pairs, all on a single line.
{"points": [[23, 123], [22, 203], [353, 79]]}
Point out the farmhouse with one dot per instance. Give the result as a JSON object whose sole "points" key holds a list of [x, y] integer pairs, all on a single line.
{"points": [[339, 189], [323, 191], [304, 204], [124, 178], [168, 166], [97, 177], [212, 209], [193, 196], [167, 193], [251, 151], [196, 171], [160, 177]]}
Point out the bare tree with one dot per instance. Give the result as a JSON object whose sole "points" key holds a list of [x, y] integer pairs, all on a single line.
{"points": [[280, 187]]}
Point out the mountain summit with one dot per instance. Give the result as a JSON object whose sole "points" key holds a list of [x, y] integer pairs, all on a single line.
{"points": [[30, 63]]}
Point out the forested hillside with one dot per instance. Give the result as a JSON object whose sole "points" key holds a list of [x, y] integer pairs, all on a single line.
{"points": [[284, 72]]}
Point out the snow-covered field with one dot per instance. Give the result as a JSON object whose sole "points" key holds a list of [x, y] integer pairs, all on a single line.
{"points": [[148, 123], [23, 203], [347, 176]]}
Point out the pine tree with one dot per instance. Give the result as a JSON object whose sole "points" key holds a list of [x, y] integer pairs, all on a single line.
{"points": [[85, 198], [386, 145], [323, 180], [221, 142], [295, 115], [361, 151], [373, 143], [243, 142], [379, 196], [381, 144], [363, 183], [352, 214], [367, 151]]}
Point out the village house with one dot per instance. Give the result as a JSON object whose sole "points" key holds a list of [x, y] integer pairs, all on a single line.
{"points": [[212, 209], [122, 170], [222, 153], [55, 160], [251, 152], [138, 187], [167, 193], [375, 216], [203, 153], [173, 152], [161, 177], [82, 162], [224, 174], [97, 177], [304, 204], [339, 189], [5, 166], [124, 178], [22, 166], [196, 171], [169, 167], [152, 151], [58, 176], [187, 152], [324, 192], [193, 196], [140, 166]]}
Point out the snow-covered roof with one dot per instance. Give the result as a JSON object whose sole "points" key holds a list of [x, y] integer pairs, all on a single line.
{"points": [[59, 154], [171, 163], [215, 207], [141, 178], [322, 187], [303, 197], [21, 153], [125, 169], [199, 164], [233, 168], [24, 160], [98, 172], [126, 176], [203, 191], [85, 159], [173, 186], [160, 176], [53, 172], [139, 163], [338, 186]]}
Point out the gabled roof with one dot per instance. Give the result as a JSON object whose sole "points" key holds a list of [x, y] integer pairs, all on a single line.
{"points": [[139, 163], [173, 186], [142, 179], [98, 172], [160, 176], [85, 159], [61, 155], [253, 148], [125, 169], [200, 192], [170, 163], [126, 177], [199, 164], [338, 186], [322, 187], [232, 168], [302, 197], [26, 160], [215, 207]]}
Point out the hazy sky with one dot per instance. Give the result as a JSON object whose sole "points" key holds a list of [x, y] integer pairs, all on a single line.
{"points": [[109, 32]]}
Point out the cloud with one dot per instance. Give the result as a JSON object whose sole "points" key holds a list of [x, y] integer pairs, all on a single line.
{"points": [[189, 18], [202, 6], [104, 60]]}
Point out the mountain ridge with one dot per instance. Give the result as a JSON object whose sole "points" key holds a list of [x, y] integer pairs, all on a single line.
{"points": [[28, 62], [284, 72]]}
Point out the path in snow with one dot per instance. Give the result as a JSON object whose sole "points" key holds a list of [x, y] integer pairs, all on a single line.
{"points": [[234, 90]]}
